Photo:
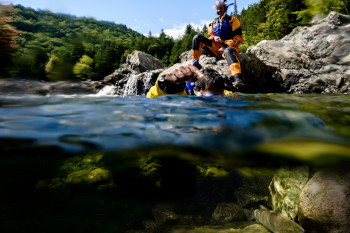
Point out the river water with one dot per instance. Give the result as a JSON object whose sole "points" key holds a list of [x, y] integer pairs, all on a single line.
{"points": [[40, 135], [225, 124]]}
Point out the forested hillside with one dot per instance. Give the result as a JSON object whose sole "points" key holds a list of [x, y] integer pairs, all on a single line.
{"points": [[58, 46], [47, 46]]}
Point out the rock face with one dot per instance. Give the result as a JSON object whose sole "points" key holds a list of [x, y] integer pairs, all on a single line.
{"points": [[325, 203], [311, 59]]}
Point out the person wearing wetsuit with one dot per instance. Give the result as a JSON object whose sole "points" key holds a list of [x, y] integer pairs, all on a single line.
{"points": [[207, 82], [225, 35]]}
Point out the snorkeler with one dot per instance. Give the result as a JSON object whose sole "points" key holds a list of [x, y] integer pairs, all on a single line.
{"points": [[207, 82]]}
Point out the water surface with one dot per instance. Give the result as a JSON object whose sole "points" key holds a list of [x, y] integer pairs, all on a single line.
{"points": [[224, 124]]}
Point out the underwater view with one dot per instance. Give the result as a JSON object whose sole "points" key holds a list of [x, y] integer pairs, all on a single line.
{"points": [[90, 163]]}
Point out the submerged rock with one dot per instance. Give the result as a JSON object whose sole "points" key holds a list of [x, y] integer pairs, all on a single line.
{"points": [[227, 212], [238, 228], [285, 189], [325, 202]]}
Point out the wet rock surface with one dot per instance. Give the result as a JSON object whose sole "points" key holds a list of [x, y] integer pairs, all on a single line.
{"points": [[325, 202], [22, 86]]}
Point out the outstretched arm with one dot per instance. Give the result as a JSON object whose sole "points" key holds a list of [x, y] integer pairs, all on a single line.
{"points": [[174, 82]]}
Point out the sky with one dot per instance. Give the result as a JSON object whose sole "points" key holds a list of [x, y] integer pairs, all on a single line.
{"points": [[143, 16]]}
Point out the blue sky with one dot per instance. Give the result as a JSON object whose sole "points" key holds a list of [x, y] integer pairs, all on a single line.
{"points": [[143, 16]]}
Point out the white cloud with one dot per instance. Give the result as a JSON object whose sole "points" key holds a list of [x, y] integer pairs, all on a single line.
{"points": [[161, 20], [178, 30]]}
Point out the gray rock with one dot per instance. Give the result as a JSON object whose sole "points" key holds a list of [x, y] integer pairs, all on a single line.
{"points": [[311, 59], [325, 202], [141, 62]]}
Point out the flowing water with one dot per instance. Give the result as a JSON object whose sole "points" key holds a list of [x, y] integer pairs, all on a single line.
{"points": [[49, 144]]}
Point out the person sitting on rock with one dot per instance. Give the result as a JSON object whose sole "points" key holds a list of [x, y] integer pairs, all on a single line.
{"points": [[225, 35], [207, 82]]}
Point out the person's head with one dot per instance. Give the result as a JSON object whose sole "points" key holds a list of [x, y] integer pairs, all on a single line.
{"points": [[220, 7], [211, 84]]}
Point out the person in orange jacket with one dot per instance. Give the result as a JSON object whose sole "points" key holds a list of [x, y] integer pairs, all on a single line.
{"points": [[225, 35]]}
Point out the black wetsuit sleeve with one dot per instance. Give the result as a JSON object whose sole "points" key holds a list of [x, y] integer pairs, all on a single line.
{"points": [[171, 88]]}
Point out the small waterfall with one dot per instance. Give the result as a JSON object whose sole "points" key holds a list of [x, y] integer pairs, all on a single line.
{"points": [[149, 80], [131, 87], [107, 90]]}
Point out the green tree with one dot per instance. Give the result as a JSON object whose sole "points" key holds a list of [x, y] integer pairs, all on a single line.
{"points": [[60, 65], [204, 31], [84, 68], [106, 58], [183, 45], [324, 7]]}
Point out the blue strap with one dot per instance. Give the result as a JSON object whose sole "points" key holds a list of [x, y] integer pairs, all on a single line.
{"points": [[189, 88]]}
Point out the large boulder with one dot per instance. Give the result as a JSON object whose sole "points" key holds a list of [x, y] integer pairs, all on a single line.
{"points": [[312, 59], [325, 202], [142, 62]]}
